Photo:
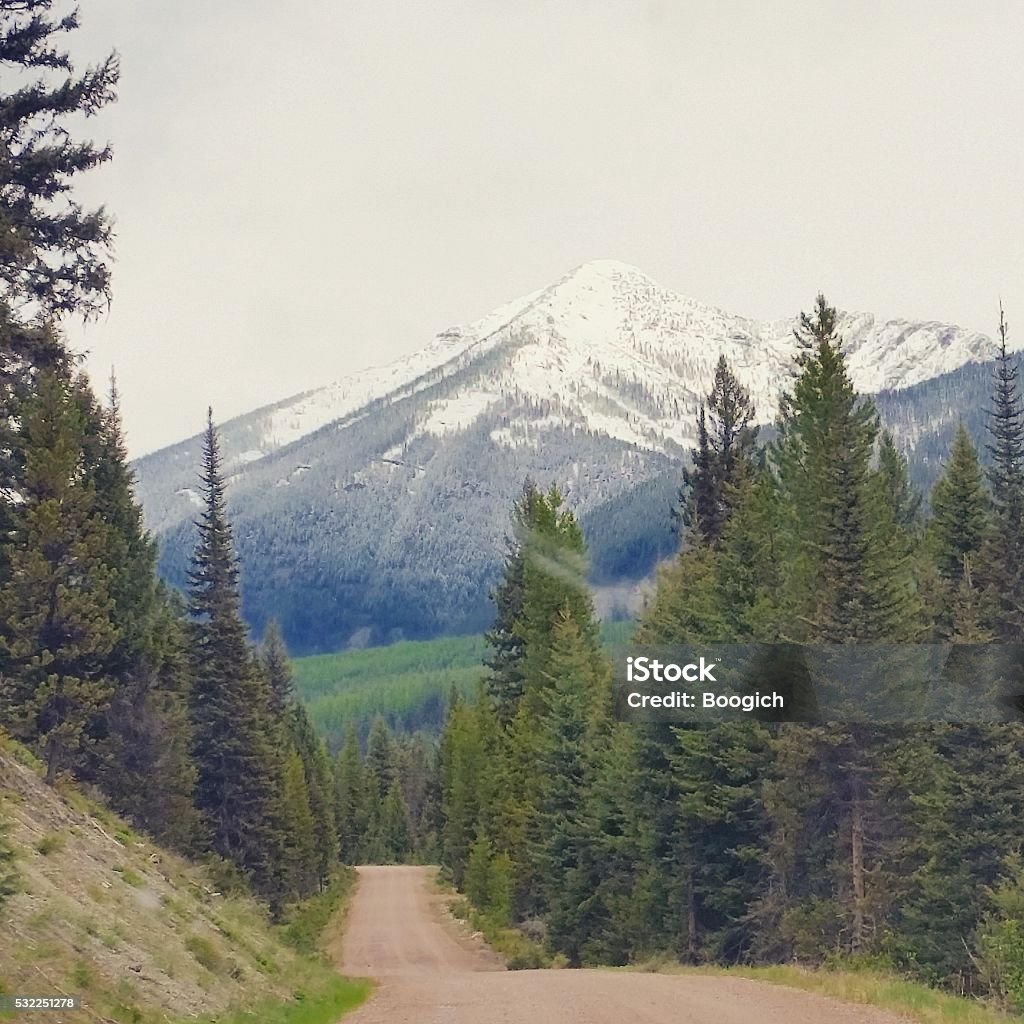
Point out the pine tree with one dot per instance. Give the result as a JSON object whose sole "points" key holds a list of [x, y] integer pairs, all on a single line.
{"points": [[142, 757], [239, 767], [721, 826], [898, 492], [505, 679], [847, 581], [955, 539], [350, 808], [846, 539], [628, 907], [300, 867], [319, 794], [463, 762], [697, 509], [53, 252], [146, 767], [278, 670], [554, 581], [394, 832], [966, 789], [572, 731], [722, 462], [380, 777], [56, 632], [1004, 557], [960, 510]]}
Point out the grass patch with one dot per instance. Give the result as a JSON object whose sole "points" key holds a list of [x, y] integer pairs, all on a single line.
{"points": [[521, 953], [205, 953], [307, 920], [885, 991], [52, 843], [321, 1003], [130, 877], [12, 748]]}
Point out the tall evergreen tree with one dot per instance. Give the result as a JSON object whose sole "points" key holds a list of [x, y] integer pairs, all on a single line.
{"points": [[464, 762], [722, 462], [572, 733], [505, 677], [554, 581], [300, 870], [350, 807], [142, 757], [239, 766], [960, 510], [897, 491], [955, 538], [847, 582], [278, 671], [56, 630], [1004, 560], [320, 795]]}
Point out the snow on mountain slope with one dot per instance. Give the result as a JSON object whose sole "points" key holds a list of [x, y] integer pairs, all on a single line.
{"points": [[380, 502], [296, 417], [613, 352]]}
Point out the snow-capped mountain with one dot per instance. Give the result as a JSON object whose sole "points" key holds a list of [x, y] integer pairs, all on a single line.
{"points": [[606, 324], [401, 476]]}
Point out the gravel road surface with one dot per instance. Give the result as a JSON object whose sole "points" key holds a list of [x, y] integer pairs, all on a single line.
{"points": [[430, 973]]}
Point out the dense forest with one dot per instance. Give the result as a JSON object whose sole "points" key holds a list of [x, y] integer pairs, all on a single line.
{"points": [[754, 843]]}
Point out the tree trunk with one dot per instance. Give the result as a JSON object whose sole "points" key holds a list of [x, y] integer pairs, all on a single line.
{"points": [[691, 917], [857, 814]]}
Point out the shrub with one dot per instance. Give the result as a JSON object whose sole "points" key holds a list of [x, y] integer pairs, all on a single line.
{"points": [[50, 844], [204, 952], [8, 872]]}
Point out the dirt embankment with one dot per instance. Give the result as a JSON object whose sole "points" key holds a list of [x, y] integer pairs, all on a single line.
{"points": [[104, 914]]}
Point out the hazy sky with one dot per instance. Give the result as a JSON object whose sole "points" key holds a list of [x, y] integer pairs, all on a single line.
{"points": [[304, 190]]}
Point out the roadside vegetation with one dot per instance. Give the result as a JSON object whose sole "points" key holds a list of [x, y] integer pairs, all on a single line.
{"points": [[915, 1001], [93, 908]]}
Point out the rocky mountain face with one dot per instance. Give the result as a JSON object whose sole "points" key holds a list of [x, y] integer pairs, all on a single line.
{"points": [[376, 507]]}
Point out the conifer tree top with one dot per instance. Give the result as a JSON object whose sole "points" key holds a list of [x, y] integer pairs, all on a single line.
{"points": [[53, 252]]}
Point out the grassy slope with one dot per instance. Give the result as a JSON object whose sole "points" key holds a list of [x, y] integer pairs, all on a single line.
{"points": [[139, 934], [407, 683], [911, 999]]}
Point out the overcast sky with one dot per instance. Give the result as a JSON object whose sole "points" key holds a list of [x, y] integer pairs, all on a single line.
{"points": [[304, 190]]}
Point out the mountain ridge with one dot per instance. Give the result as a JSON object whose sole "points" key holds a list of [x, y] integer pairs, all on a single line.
{"points": [[382, 499], [916, 350]]}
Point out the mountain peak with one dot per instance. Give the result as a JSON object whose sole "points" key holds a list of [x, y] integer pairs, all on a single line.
{"points": [[599, 274]]}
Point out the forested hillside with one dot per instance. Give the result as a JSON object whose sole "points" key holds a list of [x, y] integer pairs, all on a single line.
{"points": [[410, 685], [608, 841], [108, 676]]}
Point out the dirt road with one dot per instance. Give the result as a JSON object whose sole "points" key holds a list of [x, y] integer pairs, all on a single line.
{"points": [[430, 975]]}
